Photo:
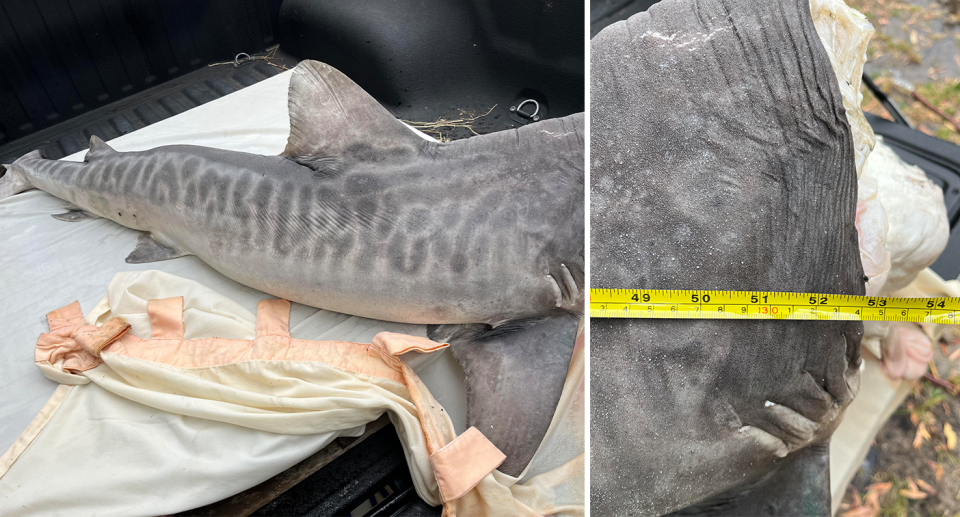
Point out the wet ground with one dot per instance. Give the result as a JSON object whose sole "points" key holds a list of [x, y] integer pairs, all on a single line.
{"points": [[916, 50], [913, 469]]}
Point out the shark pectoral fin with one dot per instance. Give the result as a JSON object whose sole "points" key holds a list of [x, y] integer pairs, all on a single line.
{"points": [[149, 250], [798, 486], [514, 378], [330, 116], [98, 148], [74, 215]]}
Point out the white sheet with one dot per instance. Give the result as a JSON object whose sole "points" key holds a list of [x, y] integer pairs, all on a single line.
{"points": [[103, 453], [146, 455]]}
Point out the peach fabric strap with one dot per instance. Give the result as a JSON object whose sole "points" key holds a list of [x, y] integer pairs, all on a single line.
{"points": [[68, 316], [166, 317], [462, 463], [397, 344], [95, 339], [71, 346], [273, 318]]}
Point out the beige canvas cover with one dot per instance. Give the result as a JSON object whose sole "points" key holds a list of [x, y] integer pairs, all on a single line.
{"points": [[170, 410]]}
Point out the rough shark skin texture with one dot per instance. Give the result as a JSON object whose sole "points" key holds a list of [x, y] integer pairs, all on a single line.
{"points": [[360, 215], [721, 159]]}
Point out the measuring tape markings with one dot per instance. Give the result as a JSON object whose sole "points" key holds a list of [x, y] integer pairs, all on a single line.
{"points": [[767, 305]]}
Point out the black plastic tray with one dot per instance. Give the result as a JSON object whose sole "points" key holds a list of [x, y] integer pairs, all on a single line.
{"points": [[372, 479]]}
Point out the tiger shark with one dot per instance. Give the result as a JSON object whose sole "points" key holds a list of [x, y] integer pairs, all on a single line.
{"points": [[481, 238]]}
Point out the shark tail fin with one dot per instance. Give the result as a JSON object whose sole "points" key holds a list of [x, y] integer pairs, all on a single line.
{"points": [[330, 115], [514, 379], [13, 180]]}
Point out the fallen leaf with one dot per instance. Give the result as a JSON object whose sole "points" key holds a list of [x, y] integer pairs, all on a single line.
{"points": [[879, 488], [926, 487], [914, 39], [868, 508], [956, 353], [912, 492], [937, 470], [873, 502], [951, 436], [857, 502], [921, 435]]}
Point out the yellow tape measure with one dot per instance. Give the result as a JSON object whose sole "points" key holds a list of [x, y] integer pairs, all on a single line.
{"points": [[763, 305]]}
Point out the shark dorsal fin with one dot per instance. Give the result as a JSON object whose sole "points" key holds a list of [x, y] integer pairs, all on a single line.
{"points": [[97, 148], [331, 116]]}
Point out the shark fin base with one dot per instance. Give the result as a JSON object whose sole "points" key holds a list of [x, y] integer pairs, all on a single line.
{"points": [[149, 250], [74, 214]]}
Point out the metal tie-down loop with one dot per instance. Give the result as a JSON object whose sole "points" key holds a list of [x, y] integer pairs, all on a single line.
{"points": [[532, 116], [241, 58]]}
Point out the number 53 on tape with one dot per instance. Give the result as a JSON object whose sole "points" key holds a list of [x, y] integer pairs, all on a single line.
{"points": [[765, 305]]}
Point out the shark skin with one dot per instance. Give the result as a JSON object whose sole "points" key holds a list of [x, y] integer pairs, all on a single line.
{"points": [[721, 158], [360, 215]]}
